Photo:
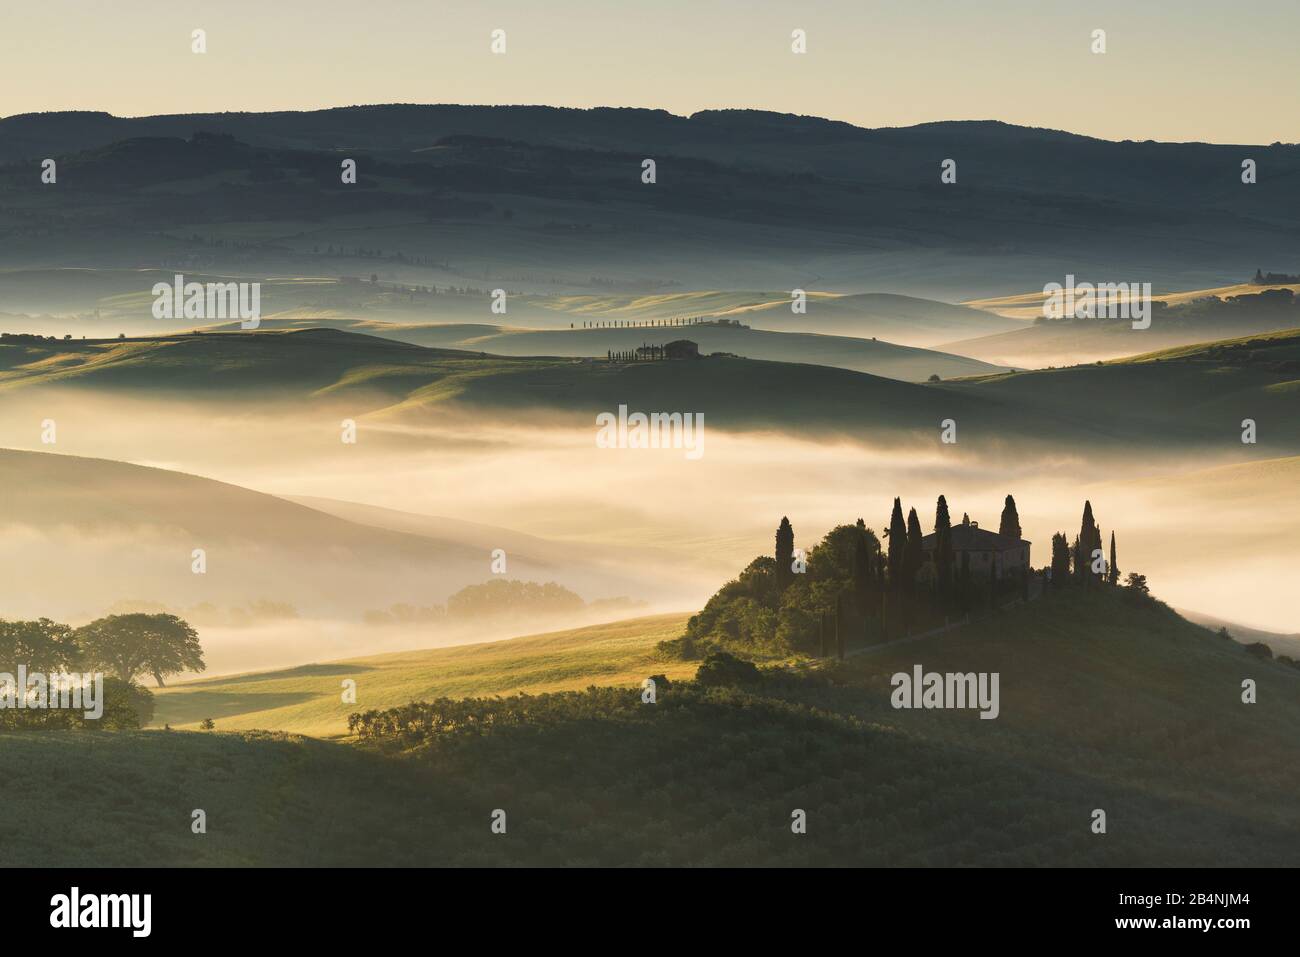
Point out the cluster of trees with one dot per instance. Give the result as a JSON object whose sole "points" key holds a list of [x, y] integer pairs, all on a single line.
{"points": [[123, 647], [849, 588], [1084, 562], [125, 707], [449, 719], [652, 323], [498, 598], [207, 614], [852, 589], [504, 596]]}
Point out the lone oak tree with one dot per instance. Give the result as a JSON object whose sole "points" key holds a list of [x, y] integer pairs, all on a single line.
{"points": [[130, 645]]}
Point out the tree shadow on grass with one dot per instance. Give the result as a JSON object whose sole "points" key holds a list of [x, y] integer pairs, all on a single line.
{"points": [[195, 706]]}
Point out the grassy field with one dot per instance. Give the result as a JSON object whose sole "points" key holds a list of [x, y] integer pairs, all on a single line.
{"points": [[1028, 306], [1068, 343], [907, 320], [1105, 703], [395, 380], [1217, 384], [308, 700], [868, 355], [386, 379]]}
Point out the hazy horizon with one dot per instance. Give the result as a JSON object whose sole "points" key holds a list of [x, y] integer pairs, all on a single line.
{"points": [[1196, 78]]}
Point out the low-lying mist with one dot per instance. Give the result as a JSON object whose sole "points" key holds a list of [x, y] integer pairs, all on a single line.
{"points": [[648, 524]]}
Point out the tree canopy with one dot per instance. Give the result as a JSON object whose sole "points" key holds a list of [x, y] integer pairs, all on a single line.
{"points": [[42, 645], [131, 645]]}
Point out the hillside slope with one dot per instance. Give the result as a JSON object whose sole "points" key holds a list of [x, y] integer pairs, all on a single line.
{"points": [[1189, 319], [1096, 405], [906, 320], [878, 358], [1196, 394], [366, 374], [306, 700], [140, 526], [1104, 704]]}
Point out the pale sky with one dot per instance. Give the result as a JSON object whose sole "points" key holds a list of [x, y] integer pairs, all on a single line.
{"points": [[1223, 71]]}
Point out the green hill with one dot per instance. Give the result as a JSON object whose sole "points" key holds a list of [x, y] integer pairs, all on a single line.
{"points": [[1104, 704], [1183, 320], [1194, 394], [367, 374], [902, 319], [843, 352], [307, 700], [1101, 404], [906, 320]]}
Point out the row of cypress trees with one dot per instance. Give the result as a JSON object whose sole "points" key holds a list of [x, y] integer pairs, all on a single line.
{"points": [[1084, 561]]}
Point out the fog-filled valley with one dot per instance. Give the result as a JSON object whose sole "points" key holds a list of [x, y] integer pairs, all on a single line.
{"points": [[272, 493]]}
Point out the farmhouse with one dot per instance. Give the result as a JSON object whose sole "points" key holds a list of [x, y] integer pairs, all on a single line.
{"points": [[990, 553]]}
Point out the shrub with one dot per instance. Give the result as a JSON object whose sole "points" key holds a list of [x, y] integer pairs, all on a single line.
{"points": [[720, 669], [125, 707]]}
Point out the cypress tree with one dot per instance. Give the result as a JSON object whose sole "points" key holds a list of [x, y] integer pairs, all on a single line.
{"points": [[1112, 573], [784, 554], [1060, 559], [1010, 524], [1089, 543], [897, 547], [943, 555], [862, 577], [913, 555]]}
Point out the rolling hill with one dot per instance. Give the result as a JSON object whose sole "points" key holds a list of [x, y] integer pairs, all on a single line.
{"points": [[906, 320], [1188, 318], [306, 699], [550, 200], [393, 381], [878, 358], [1288, 645], [1028, 306], [370, 375], [75, 555], [1105, 703], [1197, 394]]}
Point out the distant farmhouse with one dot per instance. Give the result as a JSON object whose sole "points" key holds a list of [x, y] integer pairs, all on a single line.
{"points": [[1001, 555], [677, 349], [1273, 279]]}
